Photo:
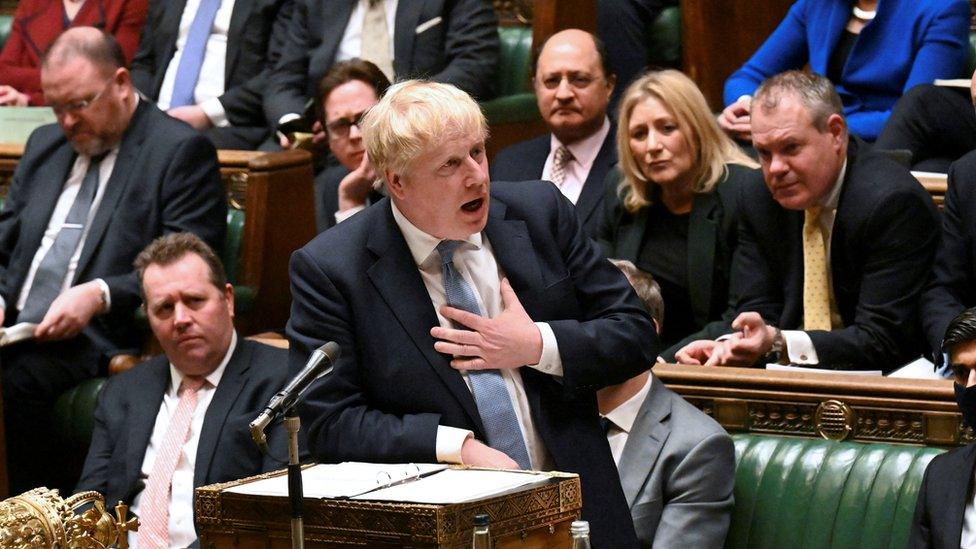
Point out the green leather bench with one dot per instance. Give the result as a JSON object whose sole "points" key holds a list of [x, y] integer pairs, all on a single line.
{"points": [[6, 21], [806, 493]]}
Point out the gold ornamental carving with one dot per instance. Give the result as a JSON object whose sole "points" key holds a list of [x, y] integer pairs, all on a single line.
{"points": [[834, 420], [41, 518]]}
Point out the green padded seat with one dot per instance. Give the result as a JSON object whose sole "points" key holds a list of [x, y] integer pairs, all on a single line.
{"points": [[804, 493], [74, 413], [230, 256], [515, 101]]}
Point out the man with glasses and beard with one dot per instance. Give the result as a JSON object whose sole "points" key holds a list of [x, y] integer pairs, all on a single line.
{"points": [[88, 194]]}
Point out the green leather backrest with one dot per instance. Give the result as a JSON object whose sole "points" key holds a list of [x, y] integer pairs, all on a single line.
{"points": [[665, 32], [5, 23], [804, 493], [74, 413], [971, 66], [512, 73]]}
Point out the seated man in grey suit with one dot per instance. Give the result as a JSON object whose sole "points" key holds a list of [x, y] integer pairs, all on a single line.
{"points": [[88, 194], [676, 464], [180, 420], [573, 82], [451, 41], [343, 95]]}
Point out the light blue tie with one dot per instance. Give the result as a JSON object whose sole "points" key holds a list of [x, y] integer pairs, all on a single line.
{"points": [[487, 386], [188, 71]]}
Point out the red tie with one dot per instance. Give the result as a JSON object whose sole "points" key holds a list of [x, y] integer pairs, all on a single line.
{"points": [[154, 514]]}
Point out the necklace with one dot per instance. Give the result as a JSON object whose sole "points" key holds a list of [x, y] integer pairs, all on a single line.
{"points": [[864, 15]]}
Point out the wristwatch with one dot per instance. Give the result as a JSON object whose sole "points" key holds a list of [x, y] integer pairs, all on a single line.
{"points": [[775, 354]]}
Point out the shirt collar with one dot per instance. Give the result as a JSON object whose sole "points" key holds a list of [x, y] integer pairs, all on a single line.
{"points": [[585, 150], [831, 200], [623, 416], [213, 378], [421, 244]]}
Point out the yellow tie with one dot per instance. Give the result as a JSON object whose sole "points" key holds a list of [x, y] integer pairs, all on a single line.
{"points": [[376, 38], [816, 296]]}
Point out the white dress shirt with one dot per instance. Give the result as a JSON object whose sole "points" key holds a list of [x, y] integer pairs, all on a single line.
{"points": [[182, 532], [210, 84], [968, 540], [475, 260], [61, 208], [799, 346], [351, 44], [584, 153], [623, 418]]}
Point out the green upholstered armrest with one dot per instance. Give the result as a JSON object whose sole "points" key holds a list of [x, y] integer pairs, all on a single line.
{"points": [[231, 257], [814, 493], [6, 21], [665, 33], [74, 413]]}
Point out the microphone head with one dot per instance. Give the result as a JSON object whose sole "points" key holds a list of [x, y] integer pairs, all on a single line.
{"points": [[331, 350]]}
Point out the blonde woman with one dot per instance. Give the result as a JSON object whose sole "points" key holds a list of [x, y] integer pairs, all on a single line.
{"points": [[671, 205]]}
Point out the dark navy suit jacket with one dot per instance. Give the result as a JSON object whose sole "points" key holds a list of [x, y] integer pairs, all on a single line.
{"points": [[127, 409], [357, 284], [524, 162], [942, 500]]}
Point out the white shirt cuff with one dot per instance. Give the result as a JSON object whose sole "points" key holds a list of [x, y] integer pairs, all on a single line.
{"points": [[106, 294], [550, 363], [343, 215], [214, 110], [288, 118], [449, 442], [799, 347]]}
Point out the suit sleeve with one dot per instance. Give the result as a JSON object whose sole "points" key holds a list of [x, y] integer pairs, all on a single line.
{"points": [[244, 103], [471, 48], [921, 533], [902, 234], [108, 422], [10, 217], [951, 287], [191, 200], [145, 64], [286, 84], [698, 497], [612, 338], [341, 406], [785, 49], [757, 286]]}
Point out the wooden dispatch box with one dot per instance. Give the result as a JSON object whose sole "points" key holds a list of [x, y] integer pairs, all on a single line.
{"points": [[537, 516]]}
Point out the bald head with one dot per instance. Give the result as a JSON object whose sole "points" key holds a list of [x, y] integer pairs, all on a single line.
{"points": [[89, 43], [572, 83]]}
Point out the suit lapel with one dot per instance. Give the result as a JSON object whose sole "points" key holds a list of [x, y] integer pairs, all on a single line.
{"points": [[702, 229], [223, 399], [958, 495], [592, 191], [49, 181], [517, 258], [397, 279], [129, 150], [235, 32], [645, 441], [142, 418], [404, 29]]}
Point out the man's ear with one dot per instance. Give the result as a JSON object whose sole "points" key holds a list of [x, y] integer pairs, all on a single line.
{"points": [[394, 184], [837, 127], [229, 296]]}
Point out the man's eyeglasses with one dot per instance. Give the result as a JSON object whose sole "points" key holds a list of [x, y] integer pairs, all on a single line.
{"points": [[75, 107], [341, 126], [576, 80]]}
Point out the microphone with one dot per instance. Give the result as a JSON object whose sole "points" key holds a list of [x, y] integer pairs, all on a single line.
{"points": [[319, 364]]}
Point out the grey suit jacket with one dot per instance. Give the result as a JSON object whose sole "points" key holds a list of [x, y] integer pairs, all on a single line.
{"points": [[677, 471]]}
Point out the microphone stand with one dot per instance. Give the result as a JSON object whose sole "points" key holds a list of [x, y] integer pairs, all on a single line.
{"points": [[295, 493]]}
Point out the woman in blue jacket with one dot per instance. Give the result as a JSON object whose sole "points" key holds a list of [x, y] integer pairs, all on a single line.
{"points": [[872, 50]]}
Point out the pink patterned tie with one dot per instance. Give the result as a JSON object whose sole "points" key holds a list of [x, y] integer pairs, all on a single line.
{"points": [[154, 514]]}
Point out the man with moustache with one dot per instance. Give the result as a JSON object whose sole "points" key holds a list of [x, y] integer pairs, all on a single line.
{"points": [[476, 321], [88, 194], [834, 249], [573, 82]]}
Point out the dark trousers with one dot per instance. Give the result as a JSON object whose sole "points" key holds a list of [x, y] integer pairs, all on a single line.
{"points": [[936, 123], [34, 375]]}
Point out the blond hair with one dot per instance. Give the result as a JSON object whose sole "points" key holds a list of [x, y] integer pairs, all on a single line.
{"points": [[412, 117], [710, 147]]}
